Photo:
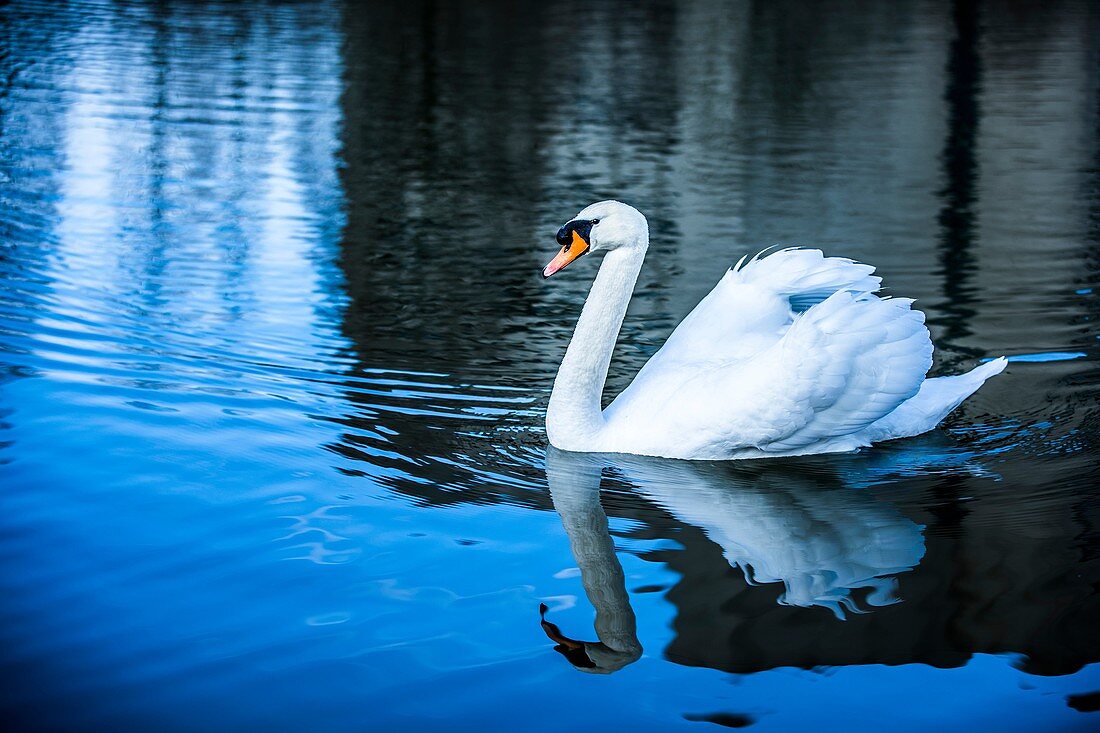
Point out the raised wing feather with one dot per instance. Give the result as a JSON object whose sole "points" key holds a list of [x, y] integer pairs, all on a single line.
{"points": [[806, 277], [754, 303]]}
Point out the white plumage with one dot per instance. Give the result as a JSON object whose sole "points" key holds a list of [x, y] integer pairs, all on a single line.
{"points": [[792, 353]]}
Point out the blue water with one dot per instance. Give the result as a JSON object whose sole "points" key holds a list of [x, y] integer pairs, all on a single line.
{"points": [[275, 354]]}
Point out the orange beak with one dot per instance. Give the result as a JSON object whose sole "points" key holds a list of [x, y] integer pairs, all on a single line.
{"points": [[572, 251]]}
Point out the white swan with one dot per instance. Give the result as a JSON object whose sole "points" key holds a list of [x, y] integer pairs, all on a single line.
{"points": [[790, 354]]}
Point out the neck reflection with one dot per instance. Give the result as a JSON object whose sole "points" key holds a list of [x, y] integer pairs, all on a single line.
{"points": [[574, 480]]}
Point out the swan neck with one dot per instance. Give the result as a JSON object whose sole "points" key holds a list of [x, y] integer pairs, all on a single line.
{"points": [[574, 417]]}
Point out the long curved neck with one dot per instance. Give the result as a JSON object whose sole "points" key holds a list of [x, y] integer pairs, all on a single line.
{"points": [[574, 416]]}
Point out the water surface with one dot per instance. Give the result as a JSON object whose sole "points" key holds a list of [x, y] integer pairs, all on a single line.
{"points": [[276, 352]]}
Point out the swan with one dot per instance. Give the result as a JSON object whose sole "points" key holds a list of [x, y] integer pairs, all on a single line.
{"points": [[791, 353]]}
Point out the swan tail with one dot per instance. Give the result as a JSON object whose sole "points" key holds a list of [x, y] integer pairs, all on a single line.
{"points": [[933, 402], [807, 277]]}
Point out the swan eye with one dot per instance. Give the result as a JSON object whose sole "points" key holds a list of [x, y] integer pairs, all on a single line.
{"points": [[595, 222]]}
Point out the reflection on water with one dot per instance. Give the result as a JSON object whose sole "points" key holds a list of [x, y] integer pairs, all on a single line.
{"points": [[778, 525], [813, 533], [960, 168], [574, 481], [275, 353]]}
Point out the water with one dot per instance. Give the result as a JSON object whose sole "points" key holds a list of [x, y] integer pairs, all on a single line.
{"points": [[276, 353]]}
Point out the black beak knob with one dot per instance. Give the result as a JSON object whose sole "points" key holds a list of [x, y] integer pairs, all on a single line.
{"points": [[565, 235]]}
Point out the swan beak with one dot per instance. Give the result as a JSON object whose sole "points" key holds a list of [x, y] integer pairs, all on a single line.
{"points": [[575, 249]]}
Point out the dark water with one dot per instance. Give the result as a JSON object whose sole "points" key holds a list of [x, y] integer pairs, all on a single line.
{"points": [[276, 353]]}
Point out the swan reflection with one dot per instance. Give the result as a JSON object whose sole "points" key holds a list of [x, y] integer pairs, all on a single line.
{"points": [[831, 546]]}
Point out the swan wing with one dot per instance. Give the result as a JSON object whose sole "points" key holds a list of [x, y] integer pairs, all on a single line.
{"points": [[788, 352], [747, 313], [843, 364]]}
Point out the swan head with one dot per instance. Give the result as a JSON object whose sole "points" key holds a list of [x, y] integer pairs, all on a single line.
{"points": [[605, 225]]}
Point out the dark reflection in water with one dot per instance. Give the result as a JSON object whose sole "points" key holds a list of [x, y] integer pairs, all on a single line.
{"points": [[960, 167], [275, 352], [813, 534]]}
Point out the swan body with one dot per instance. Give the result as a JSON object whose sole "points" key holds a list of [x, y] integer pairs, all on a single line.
{"points": [[792, 353]]}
